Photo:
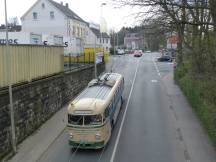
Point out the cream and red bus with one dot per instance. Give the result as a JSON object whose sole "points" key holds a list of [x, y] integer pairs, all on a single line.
{"points": [[93, 113]]}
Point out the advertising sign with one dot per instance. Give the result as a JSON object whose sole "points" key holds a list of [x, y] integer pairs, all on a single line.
{"points": [[99, 57]]}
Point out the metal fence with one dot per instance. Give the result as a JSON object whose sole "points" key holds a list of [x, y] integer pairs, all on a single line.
{"points": [[84, 59], [28, 62]]}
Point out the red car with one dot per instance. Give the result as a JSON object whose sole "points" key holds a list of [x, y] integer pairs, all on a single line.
{"points": [[137, 53]]}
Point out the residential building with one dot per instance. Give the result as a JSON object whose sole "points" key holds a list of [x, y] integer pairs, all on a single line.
{"points": [[134, 41], [52, 18], [91, 39], [102, 39]]}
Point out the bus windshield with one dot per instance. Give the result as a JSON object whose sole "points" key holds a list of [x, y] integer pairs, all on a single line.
{"points": [[88, 119], [75, 119], [92, 120]]}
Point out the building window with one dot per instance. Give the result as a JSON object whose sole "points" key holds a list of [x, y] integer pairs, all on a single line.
{"points": [[35, 40], [74, 30], [58, 40], [52, 16], [43, 5], [78, 31], [107, 41], [83, 32], [35, 15], [69, 31]]}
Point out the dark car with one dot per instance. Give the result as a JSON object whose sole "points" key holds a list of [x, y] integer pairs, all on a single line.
{"points": [[165, 59]]}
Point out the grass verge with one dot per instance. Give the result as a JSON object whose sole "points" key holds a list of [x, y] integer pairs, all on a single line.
{"points": [[201, 94]]}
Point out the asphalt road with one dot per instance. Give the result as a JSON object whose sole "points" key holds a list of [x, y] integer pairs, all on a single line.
{"points": [[156, 123]]}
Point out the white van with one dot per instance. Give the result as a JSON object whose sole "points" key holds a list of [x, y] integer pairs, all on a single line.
{"points": [[120, 52]]}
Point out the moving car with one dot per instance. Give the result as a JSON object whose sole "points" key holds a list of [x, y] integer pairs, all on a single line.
{"points": [[165, 58], [137, 53]]}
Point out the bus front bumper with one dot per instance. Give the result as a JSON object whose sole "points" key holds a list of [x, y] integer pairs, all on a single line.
{"points": [[87, 145]]}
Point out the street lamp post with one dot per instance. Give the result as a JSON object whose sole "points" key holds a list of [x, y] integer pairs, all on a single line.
{"points": [[114, 43], [95, 63], [13, 136], [102, 4]]}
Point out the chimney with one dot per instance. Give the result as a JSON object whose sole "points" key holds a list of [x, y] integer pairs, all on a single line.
{"points": [[66, 5], [61, 3]]}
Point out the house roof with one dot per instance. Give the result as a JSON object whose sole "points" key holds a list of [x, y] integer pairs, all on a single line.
{"points": [[66, 11], [98, 34]]}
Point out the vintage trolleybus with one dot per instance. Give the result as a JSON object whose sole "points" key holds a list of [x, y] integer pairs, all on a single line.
{"points": [[93, 113]]}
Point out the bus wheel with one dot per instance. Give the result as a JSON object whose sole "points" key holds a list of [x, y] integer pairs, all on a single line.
{"points": [[112, 124], [122, 100]]}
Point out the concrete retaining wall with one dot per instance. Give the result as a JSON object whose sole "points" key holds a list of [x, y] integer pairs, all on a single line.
{"points": [[37, 101]]}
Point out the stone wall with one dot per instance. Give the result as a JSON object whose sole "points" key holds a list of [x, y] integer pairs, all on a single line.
{"points": [[37, 101]]}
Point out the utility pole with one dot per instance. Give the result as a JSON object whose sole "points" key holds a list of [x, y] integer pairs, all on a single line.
{"points": [[8, 62], [114, 41], [117, 41], [95, 63], [101, 37]]}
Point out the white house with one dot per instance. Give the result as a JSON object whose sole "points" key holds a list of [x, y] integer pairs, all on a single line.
{"points": [[52, 18], [95, 36], [91, 40]]}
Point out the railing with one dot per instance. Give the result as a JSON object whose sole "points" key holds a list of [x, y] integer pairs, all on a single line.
{"points": [[85, 59]]}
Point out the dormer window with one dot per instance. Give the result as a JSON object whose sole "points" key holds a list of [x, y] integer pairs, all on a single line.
{"points": [[35, 15], [43, 5], [52, 16]]}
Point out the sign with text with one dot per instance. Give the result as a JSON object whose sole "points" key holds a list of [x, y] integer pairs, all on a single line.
{"points": [[99, 57], [10, 41]]}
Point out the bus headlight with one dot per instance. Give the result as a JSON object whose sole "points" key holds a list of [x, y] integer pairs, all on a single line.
{"points": [[98, 136], [71, 135]]}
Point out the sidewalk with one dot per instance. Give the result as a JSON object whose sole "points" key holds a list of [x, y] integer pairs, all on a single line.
{"points": [[190, 131], [31, 149]]}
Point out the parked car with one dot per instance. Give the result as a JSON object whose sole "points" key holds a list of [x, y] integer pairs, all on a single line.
{"points": [[120, 52], [148, 51], [165, 58], [137, 53]]}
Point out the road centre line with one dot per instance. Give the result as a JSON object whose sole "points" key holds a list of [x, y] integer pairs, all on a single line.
{"points": [[124, 115]]}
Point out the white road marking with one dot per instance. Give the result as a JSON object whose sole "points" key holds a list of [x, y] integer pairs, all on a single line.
{"points": [[123, 119], [156, 67], [154, 81]]}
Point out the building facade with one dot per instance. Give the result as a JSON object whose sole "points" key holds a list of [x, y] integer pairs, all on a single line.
{"points": [[52, 18], [102, 39], [134, 41]]}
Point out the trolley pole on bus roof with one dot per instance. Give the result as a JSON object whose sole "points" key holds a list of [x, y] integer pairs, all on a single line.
{"points": [[8, 60]]}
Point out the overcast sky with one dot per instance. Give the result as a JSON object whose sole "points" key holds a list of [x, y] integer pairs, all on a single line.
{"points": [[89, 10]]}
